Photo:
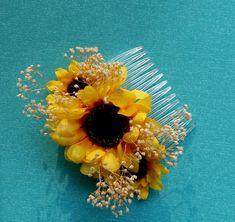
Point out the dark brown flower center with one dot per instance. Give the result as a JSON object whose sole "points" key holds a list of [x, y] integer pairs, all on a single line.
{"points": [[76, 85], [142, 171], [104, 126], [143, 168]]}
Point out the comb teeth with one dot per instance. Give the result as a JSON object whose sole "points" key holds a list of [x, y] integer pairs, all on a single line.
{"points": [[142, 75]]}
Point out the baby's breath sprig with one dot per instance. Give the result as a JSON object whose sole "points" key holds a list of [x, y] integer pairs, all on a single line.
{"points": [[114, 192], [172, 133], [29, 90]]}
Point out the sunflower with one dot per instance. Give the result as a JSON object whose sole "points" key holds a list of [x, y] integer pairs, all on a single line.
{"points": [[148, 176], [146, 171], [105, 124], [79, 75], [63, 102], [143, 173]]}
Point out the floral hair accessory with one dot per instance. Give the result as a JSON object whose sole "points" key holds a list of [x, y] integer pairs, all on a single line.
{"points": [[115, 119]]}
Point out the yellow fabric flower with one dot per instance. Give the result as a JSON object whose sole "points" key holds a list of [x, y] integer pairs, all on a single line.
{"points": [[64, 102], [79, 75], [64, 77], [91, 98], [151, 179]]}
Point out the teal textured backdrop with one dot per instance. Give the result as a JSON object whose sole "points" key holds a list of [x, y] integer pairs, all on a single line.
{"points": [[191, 41]]}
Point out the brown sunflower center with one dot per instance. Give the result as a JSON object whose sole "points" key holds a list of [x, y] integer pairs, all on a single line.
{"points": [[104, 126], [76, 85], [143, 169]]}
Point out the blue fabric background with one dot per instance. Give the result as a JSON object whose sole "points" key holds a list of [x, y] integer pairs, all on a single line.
{"points": [[191, 41]]}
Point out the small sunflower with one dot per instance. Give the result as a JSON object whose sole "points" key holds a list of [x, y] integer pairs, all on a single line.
{"points": [[147, 171], [148, 176], [79, 75], [63, 103]]}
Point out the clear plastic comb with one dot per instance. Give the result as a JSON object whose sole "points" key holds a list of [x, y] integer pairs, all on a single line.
{"points": [[166, 107]]}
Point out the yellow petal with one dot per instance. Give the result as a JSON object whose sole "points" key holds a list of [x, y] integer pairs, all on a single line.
{"points": [[119, 150], [50, 98], [94, 155], [158, 148], [156, 184], [88, 96], [76, 113], [156, 124], [54, 85], [58, 111], [155, 142], [144, 105], [110, 162], [129, 111], [88, 169], [131, 162], [143, 182], [151, 175], [67, 127], [117, 80], [103, 90], [143, 101], [76, 153], [123, 98], [132, 136], [139, 118], [163, 169], [73, 67], [65, 107], [140, 94], [160, 169], [65, 141], [144, 192], [63, 75]]}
